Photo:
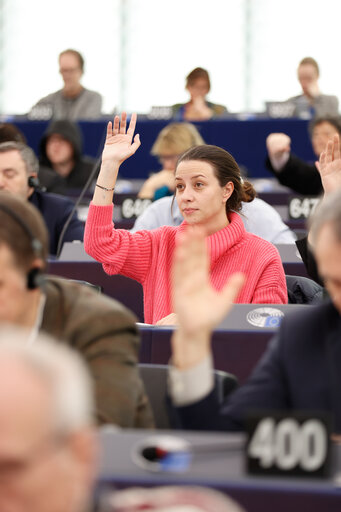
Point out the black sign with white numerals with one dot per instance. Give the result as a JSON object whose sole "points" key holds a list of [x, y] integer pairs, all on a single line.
{"points": [[294, 444], [132, 207], [302, 207]]}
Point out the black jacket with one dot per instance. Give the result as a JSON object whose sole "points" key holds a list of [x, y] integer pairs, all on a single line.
{"points": [[300, 370], [301, 177]]}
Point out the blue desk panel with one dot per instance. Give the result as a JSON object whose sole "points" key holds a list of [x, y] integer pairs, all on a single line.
{"points": [[244, 139]]}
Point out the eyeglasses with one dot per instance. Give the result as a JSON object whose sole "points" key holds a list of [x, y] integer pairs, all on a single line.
{"points": [[64, 71]]}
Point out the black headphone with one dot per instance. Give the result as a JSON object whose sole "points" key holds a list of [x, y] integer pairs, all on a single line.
{"points": [[35, 278], [33, 182]]}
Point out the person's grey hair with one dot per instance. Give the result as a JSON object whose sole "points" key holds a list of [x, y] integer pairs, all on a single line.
{"points": [[179, 498], [63, 373], [26, 153], [327, 212]]}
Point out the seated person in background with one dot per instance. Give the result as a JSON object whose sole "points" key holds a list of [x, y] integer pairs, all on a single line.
{"points": [[9, 132], [259, 218], [289, 169], [311, 102], [73, 101], [209, 191], [99, 328], [300, 369], [48, 445], [329, 167], [197, 108], [62, 165], [174, 139], [18, 175]]}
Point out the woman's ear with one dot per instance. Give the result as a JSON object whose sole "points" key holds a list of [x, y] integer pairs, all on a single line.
{"points": [[228, 191]]}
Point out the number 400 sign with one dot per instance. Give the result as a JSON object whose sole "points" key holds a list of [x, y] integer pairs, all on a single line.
{"points": [[288, 445]]}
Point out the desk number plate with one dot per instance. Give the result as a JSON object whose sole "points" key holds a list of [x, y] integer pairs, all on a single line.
{"points": [[295, 444]]}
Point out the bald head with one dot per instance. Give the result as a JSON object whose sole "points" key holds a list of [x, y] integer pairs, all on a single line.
{"points": [[47, 450]]}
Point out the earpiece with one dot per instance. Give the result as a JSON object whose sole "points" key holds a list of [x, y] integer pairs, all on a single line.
{"points": [[35, 278], [33, 182]]}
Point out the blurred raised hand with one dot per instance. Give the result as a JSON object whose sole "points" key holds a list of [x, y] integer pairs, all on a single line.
{"points": [[198, 306], [329, 165]]}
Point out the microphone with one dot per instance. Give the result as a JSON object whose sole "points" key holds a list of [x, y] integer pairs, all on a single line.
{"points": [[174, 454], [80, 197], [33, 182]]}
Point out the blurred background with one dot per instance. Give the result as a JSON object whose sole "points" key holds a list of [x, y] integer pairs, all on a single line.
{"points": [[138, 52]]}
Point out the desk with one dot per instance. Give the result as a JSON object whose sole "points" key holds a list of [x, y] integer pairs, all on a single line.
{"points": [[237, 344], [223, 471], [244, 139], [121, 288]]}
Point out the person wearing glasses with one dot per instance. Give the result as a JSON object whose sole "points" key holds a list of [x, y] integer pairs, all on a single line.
{"points": [[73, 101]]}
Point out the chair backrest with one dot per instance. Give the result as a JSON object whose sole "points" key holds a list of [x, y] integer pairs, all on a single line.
{"points": [[154, 377], [302, 290], [94, 287]]}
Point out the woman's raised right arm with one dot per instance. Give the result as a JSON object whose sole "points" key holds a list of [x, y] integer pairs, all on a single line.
{"points": [[119, 145]]}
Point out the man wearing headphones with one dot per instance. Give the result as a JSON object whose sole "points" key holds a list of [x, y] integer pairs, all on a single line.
{"points": [[18, 175], [101, 329]]}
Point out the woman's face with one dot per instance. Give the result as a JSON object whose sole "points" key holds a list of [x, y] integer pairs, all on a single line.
{"points": [[198, 89], [199, 195]]}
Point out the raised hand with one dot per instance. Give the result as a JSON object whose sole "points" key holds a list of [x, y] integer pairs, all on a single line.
{"points": [[198, 306], [277, 144], [119, 143], [329, 165]]}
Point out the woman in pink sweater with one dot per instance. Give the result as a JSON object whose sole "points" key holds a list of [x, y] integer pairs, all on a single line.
{"points": [[209, 192]]}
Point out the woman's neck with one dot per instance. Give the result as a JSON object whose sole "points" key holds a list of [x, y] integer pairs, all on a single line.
{"points": [[214, 226]]}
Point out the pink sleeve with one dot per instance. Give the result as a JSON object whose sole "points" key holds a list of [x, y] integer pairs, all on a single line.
{"points": [[119, 251]]}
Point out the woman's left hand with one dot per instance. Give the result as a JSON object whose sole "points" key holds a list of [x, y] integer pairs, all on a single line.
{"points": [[171, 319]]}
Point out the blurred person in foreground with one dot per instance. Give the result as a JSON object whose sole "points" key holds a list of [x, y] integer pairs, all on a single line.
{"points": [[329, 167], [290, 170], [62, 163], [300, 369], [311, 102], [198, 108], [172, 498], [102, 330], [48, 445], [258, 217], [18, 176], [73, 101]]}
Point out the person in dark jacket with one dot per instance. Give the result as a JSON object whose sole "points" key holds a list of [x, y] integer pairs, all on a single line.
{"points": [[292, 171], [300, 368], [18, 175], [62, 164]]}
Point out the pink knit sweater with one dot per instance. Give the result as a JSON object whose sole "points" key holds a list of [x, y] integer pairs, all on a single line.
{"points": [[146, 256]]}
